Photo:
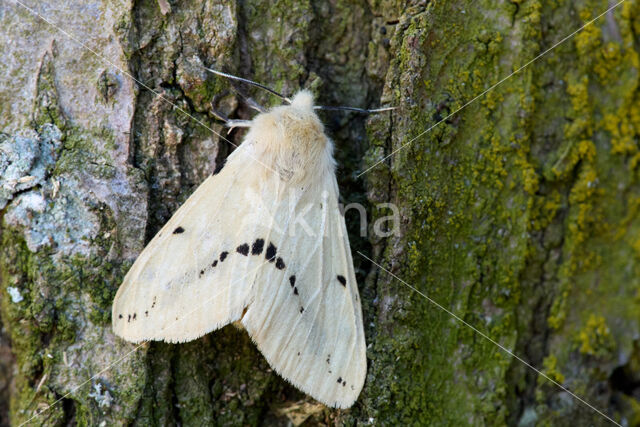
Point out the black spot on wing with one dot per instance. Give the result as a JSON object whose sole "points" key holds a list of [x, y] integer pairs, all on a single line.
{"points": [[120, 316], [134, 316], [295, 290], [270, 255], [339, 380], [178, 230], [292, 280], [214, 263], [223, 256], [301, 309], [257, 247], [280, 264], [201, 273], [243, 249], [342, 280], [146, 313]]}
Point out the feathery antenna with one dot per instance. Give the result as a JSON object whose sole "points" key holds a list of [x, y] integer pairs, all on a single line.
{"points": [[281, 96], [355, 109], [251, 82]]}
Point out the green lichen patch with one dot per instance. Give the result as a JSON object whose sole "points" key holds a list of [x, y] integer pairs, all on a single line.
{"points": [[513, 206]]}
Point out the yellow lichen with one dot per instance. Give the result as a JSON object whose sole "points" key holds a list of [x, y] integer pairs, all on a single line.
{"points": [[578, 90], [622, 133], [608, 60], [550, 364], [636, 246], [587, 40], [595, 338]]}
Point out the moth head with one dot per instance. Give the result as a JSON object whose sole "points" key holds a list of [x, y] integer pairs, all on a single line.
{"points": [[291, 126], [291, 141], [303, 100]]}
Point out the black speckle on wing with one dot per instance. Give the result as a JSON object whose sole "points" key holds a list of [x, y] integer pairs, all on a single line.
{"points": [[257, 247], [223, 256], [270, 255], [292, 280], [342, 280], [178, 230], [280, 263], [243, 249]]}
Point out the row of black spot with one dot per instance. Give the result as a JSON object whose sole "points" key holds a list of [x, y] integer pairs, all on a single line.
{"points": [[134, 316], [256, 249], [292, 282], [343, 282]]}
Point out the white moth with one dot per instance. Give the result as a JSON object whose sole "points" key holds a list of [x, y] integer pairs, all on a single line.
{"points": [[262, 242]]}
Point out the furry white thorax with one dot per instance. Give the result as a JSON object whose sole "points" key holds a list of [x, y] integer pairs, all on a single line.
{"points": [[291, 140]]}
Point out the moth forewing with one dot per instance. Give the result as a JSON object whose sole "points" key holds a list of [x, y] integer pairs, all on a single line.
{"points": [[262, 242]]}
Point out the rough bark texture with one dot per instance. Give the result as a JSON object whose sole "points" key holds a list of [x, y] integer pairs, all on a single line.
{"points": [[520, 214]]}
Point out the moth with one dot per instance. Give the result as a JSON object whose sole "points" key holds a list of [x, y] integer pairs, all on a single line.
{"points": [[261, 243]]}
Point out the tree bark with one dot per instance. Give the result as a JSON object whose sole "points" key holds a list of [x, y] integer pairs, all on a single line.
{"points": [[519, 210]]}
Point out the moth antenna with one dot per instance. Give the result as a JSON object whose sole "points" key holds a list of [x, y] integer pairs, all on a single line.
{"points": [[260, 109], [230, 123], [253, 104], [218, 114], [356, 109], [251, 82]]}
